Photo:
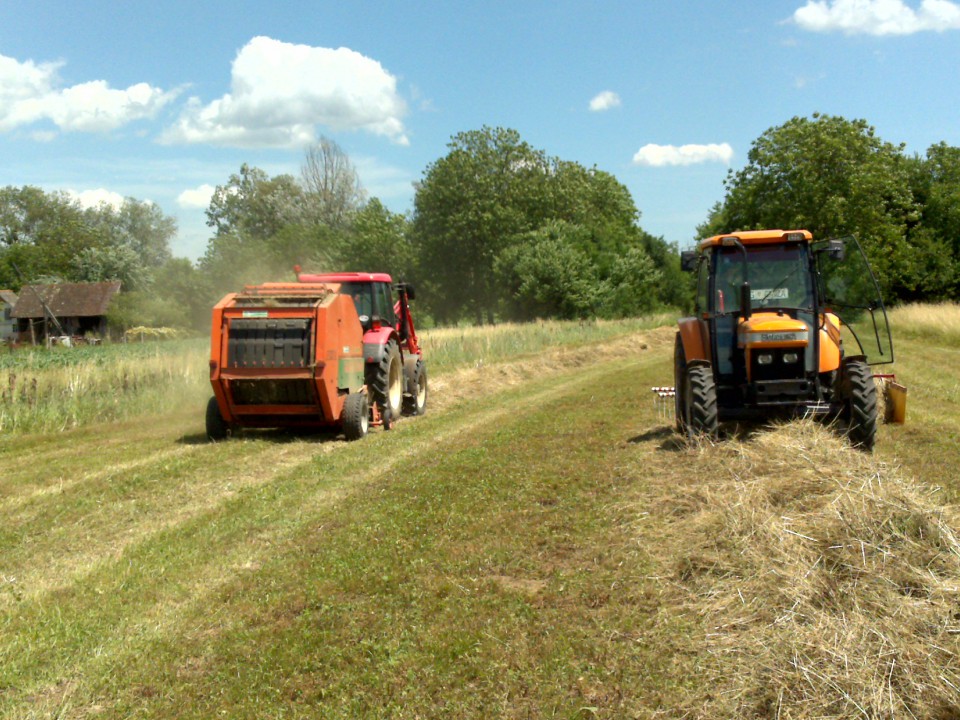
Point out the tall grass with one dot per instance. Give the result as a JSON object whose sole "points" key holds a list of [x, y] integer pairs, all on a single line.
{"points": [[456, 347], [939, 321], [49, 390]]}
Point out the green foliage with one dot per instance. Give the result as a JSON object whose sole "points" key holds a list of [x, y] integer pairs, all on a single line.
{"points": [[501, 227], [546, 274]]}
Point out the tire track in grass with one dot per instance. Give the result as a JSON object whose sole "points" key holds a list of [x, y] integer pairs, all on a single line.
{"points": [[122, 504], [214, 546]]}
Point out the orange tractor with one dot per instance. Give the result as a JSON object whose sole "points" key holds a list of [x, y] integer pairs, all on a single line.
{"points": [[783, 325], [328, 351]]}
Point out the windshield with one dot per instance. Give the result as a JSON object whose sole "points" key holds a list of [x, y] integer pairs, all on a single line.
{"points": [[362, 294], [779, 277]]}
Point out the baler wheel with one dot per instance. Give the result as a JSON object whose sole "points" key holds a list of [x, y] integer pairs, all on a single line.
{"points": [[416, 402], [701, 402], [386, 380], [217, 428], [356, 416], [862, 400]]}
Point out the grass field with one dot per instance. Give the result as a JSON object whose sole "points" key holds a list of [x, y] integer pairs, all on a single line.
{"points": [[538, 545]]}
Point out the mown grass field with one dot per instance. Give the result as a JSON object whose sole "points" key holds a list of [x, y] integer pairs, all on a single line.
{"points": [[538, 545]]}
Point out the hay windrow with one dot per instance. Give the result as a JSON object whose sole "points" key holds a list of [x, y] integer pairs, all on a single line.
{"points": [[826, 584]]}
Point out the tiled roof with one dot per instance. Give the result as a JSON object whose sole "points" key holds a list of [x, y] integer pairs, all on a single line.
{"points": [[66, 299]]}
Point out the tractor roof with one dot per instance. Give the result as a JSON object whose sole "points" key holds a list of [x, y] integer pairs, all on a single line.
{"points": [[759, 237], [342, 277]]}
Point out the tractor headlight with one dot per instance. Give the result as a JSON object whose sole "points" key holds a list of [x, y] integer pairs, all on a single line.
{"points": [[764, 359], [790, 357]]}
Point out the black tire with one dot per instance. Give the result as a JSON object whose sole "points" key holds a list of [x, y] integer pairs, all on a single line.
{"points": [[861, 398], [217, 428], [385, 380], [356, 416], [700, 398], [415, 403], [679, 380]]}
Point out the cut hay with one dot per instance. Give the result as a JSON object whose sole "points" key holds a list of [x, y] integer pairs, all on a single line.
{"points": [[825, 584]]}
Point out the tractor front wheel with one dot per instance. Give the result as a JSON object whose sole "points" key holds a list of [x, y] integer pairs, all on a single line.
{"points": [[356, 416], [679, 380], [861, 398], [700, 402]]}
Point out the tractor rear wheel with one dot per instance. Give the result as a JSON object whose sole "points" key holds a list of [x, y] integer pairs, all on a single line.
{"points": [[679, 379], [385, 379], [700, 400], [861, 404], [217, 428], [356, 416], [415, 403]]}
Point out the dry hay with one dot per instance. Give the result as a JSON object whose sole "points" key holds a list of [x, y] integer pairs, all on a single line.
{"points": [[827, 585]]}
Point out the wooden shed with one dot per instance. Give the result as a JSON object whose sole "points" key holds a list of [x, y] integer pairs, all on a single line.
{"points": [[80, 308]]}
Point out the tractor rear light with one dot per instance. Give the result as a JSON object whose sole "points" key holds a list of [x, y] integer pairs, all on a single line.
{"points": [[214, 364], [790, 357], [764, 359]]}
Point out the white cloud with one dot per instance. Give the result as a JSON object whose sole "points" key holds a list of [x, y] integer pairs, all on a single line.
{"points": [[662, 155], [197, 197], [96, 198], [30, 93], [877, 17], [280, 92], [605, 101]]}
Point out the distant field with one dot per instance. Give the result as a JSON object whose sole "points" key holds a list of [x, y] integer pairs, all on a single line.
{"points": [[539, 544]]}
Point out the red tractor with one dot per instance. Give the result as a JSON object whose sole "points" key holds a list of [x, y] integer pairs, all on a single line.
{"points": [[329, 351], [394, 368]]}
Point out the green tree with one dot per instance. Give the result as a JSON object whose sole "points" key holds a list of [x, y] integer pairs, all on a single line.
{"points": [[490, 187], [378, 241], [547, 274], [831, 176]]}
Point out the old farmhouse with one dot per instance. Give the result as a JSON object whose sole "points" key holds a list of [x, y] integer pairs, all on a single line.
{"points": [[80, 309]]}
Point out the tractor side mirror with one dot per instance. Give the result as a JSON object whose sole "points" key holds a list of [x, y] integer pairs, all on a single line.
{"points": [[688, 260], [836, 250], [406, 288], [746, 303]]}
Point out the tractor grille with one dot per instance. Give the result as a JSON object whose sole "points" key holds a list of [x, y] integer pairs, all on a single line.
{"points": [[268, 343], [295, 391]]}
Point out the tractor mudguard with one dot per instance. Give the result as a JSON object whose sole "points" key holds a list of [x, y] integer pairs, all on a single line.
{"points": [[691, 335], [375, 343]]}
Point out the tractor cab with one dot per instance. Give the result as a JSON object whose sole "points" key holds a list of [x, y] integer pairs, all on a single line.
{"points": [[779, 320]]}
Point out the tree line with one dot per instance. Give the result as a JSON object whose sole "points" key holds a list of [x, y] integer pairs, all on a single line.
{"points": [[499, 230]]}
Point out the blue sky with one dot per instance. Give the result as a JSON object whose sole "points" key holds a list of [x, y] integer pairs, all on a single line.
{"points": [[161, 101]]}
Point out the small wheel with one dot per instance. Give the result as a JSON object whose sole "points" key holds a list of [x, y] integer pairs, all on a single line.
{"points": [[416, 402], [356, 416], [861, 398], [700, 396], [217, 428], [679, 381]]}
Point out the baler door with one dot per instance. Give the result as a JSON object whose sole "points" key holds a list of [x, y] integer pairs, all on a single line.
{"points": [[269, 343]]}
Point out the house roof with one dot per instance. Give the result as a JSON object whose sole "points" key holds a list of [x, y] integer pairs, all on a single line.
{"points": [[9, 297], [66, 299]]}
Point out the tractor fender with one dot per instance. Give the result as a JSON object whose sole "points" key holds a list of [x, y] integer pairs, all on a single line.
{"points": [[692, 338], [375, 343]]}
